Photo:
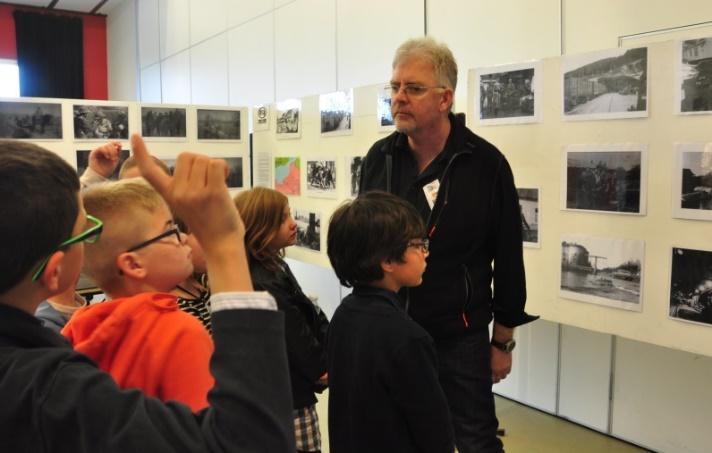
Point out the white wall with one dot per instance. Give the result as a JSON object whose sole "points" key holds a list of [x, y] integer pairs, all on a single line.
{"points": [[122, 63]]}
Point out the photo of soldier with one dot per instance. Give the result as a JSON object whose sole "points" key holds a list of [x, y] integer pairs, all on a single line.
{"points": [[30, 120], [218, 124], [507, 94], [163, 122], [308, 229], [100, 122]]}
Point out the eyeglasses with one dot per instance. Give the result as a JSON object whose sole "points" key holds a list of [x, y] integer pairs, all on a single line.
{"points": [[422, 244], [174, 230], [412, 90], [90, 235]]}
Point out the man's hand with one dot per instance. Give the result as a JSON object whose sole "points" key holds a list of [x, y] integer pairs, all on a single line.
{"points": [[501, 364], [197, 193], [105, 158]]}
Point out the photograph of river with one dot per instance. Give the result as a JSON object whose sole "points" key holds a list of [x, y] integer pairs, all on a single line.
{"points": [[603, 271]]}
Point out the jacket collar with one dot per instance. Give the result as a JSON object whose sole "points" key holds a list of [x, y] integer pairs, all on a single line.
{"points": [[372, 292], [457, 141], [18, 328]]}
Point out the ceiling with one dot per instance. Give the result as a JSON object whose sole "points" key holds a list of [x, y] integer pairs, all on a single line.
{"points": [[82, 6]]}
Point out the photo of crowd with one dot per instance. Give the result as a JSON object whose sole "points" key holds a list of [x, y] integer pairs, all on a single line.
{"points": [[30, 120], [163, 122], [101, 122]]}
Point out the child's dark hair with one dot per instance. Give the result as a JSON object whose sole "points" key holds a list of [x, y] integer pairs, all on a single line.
{"points": [[374, 227], [38, 207]]}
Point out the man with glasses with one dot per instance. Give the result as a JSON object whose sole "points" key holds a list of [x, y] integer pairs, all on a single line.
{"points": [[57, 400], [464, 190]]}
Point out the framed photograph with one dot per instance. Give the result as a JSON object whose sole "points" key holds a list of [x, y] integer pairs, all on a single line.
{"points": [[82, 156], [30, 120], [235, 177], [321, 178], [508, 94], [286, 175], [606, 84], [100, 122], [260, 118], [604, 178], [383, 109], [219, 125], [289, 118], [691, 286], [602, 271], [693, 90], [529, 211], [353, 164], [692, 182], [163, 123], [308, 229], [336, 110]]}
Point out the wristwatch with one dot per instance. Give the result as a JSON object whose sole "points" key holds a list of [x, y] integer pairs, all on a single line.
{"points": [[507, 346]]}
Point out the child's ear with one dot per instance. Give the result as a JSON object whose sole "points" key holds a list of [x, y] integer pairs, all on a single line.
{"points": [[51, 277], [131, 265], [387, 266]]}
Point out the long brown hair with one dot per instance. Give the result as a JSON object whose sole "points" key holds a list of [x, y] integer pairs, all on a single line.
{"points": [[262, 211]]}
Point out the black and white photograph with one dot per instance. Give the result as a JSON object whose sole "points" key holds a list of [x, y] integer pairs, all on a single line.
{"points": [[82, 156], [383, 107], [260, 117], [691, 286], [692, 182], [234, 177], [508, 94], [604, 179], [694, 86], [336, 110], [529, 211], [219, 125], [354, 166], [605, 85], [602, 271], [163, 122], [288, 118], [321, 178], [100, 122], [308, 229], [31, 120]]}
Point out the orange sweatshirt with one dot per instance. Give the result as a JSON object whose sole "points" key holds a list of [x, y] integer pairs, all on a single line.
{"points": [[147, 342]]}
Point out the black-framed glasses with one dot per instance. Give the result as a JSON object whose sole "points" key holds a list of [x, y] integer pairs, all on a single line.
{"points": [[90, 235], [412, 90], [175, 230], [422, 244]]}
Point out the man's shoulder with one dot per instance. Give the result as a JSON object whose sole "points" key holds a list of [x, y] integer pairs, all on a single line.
{"points": [[380, 147]]}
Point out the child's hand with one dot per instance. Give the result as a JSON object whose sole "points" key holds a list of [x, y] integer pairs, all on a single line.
{"points": [[197, 193], [105, 158]]}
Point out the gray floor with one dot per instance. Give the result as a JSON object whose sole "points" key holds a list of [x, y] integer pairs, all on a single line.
{"points": [[527, 430]]}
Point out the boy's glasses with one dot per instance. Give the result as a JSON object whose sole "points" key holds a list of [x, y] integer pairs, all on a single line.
{"points": [[90, 235], [422, 244], [174, 230]]}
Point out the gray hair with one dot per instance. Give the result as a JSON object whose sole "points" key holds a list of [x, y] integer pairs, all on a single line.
{"points": [[438, 54]]}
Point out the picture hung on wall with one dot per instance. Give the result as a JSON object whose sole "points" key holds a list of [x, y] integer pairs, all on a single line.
{"points": [[260, 117], [82, 156], [383, 106], [354, 166], [219, 125], [167, 123], [286, 175], [529, 211], [263, 169], [604, 178], [694, 77], [606, 84], [234, 177], [602, 271], [308, 229], [31, 120], [336, 110], [692, 182], [508, 94], [321, 178], [288, 118], [691, 286], [100, 122]]}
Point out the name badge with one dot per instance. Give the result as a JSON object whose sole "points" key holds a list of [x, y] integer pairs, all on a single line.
{"points": [[431, 192]]}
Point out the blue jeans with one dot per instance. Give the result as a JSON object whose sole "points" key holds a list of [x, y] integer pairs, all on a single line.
{"points": [[466, 379]]}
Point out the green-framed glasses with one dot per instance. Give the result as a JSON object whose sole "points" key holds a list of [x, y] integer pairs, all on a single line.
{"points": [[91, 235]]}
